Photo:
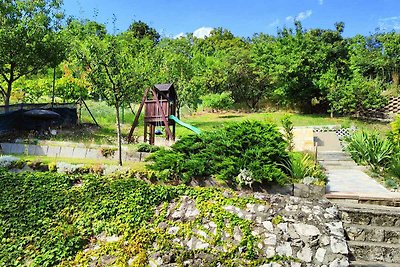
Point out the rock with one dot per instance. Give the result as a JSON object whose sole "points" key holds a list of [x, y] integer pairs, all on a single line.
{"points": [[292, 232], [195, 243], [331, 213], [270, 239], [306, 229], [336, 228], [202, 234], [305, 254], [284, 250], [155, 262], [324, 240], [339, 263], [270, 252], [309, 180], [237, 234], [283, 227], [173, 230], [306, 209], [251, 207], [261, 208], [192, 213], [269, 226], [320, 254], [339, 246]]}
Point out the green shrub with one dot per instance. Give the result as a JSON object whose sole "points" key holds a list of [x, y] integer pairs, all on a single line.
{"points": [[144, 147], [224, 154], [222, 101], [370, 149]]}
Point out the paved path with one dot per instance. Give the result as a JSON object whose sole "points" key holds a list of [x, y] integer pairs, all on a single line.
{"points": [[344, 175]]}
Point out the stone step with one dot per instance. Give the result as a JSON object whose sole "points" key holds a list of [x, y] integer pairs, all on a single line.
{"points": [[339, 163], [334, 157], [366, 214], [372, 233], [372, 264], [374, 251]]}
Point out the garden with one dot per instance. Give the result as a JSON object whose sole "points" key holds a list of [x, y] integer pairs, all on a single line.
{"points": [[246, 95]]}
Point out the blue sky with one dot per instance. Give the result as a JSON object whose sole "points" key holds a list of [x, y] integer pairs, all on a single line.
{"points": [[242, 17]]}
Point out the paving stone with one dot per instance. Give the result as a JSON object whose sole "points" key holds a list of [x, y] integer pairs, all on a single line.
{"points": [[79, 153]]}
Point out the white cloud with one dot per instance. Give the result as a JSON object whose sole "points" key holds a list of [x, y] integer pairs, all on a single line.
{"points": [[301, 16], [321, 2], [274, 23], [179, 35], [389, 23], [202, 32], [289, 18]]}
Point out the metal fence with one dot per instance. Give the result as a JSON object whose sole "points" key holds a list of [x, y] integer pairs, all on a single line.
{"points": [[13, 118]]}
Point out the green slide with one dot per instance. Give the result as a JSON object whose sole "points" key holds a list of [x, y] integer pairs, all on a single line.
{"points": [[190, 127]]}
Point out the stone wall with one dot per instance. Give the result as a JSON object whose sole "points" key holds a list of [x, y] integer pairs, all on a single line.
{"points": [[385, 113], [297, 232]]}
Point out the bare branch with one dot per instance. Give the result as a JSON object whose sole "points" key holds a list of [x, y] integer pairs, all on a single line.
{"points": [[4, 77], [2, 91]]}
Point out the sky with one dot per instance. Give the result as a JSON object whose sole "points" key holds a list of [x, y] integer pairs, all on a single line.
{"points": [[172, 18]]}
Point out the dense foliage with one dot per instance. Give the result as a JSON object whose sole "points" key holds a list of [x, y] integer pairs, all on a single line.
{"points": [[29, 40], [312, 70], [48, 219], [223, 154]]}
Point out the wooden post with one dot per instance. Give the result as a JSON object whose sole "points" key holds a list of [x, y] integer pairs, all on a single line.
{"points": [[173, 131], [152, 134], [145, 133], [136, 121], [91, 115]]}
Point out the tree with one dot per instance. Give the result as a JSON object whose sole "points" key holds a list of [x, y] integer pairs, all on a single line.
{"points": [[296, 59], [116, 71], [141, 30], [28, 40]]}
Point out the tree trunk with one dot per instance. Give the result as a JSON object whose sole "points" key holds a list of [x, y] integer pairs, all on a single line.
{"points": [[8, 95], [119, 138]]}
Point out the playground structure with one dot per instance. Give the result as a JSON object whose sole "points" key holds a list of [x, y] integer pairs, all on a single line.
{"points": [[160, 110]]}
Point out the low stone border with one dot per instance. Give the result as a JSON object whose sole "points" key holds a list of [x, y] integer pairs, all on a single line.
{"points": [[67, 152]]}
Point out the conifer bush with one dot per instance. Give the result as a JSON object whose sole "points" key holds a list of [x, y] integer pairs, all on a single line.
{"points": [[253, 146]]}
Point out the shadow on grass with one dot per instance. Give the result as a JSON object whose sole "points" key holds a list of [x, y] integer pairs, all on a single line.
{"points": [[230, 116]]}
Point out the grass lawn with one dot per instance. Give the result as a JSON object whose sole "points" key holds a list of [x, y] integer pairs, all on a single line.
{"points": [[205, 121]]}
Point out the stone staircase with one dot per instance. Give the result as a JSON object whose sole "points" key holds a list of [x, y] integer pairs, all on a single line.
{"points": [[332, 160], [373, 234]]}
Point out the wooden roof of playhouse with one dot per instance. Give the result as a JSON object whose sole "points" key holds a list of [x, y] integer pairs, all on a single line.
{"points": [[167, 90]]}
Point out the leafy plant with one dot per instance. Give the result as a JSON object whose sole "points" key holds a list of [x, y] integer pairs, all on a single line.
{"points": [[300, 166], [258, 148], [394, 134], [287, 125], [370, 149], [108, 151]]}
